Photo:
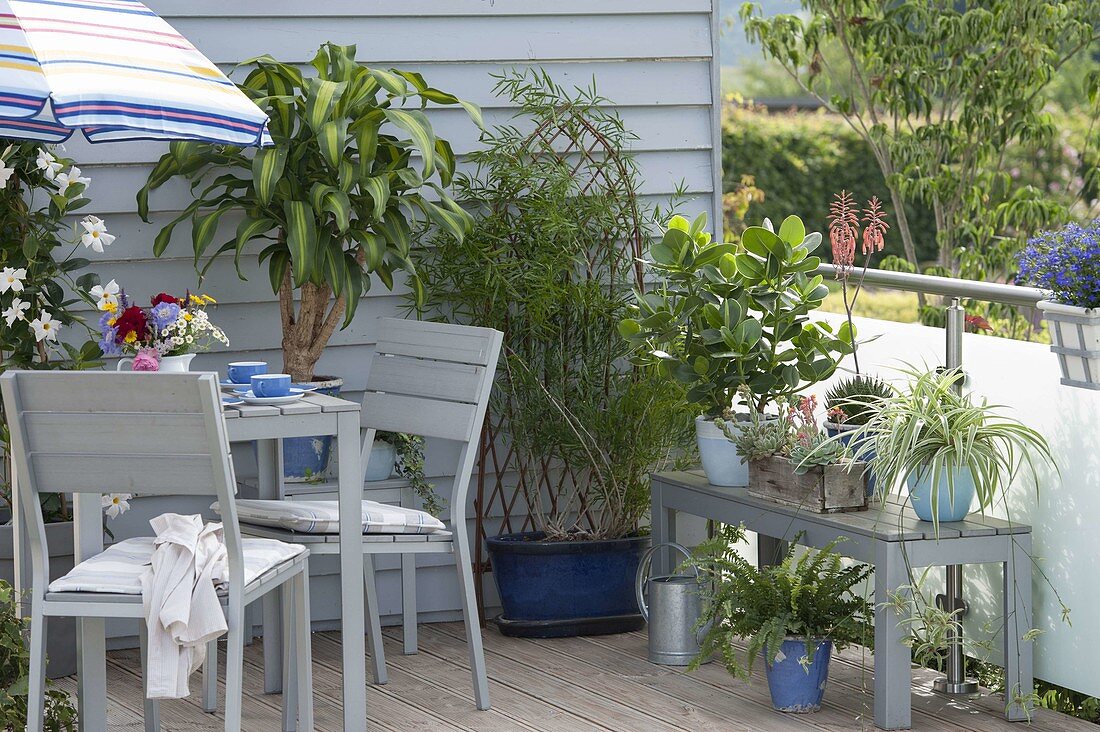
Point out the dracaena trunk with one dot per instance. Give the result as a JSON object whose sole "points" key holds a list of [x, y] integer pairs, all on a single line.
{"points": [[307, 327]]}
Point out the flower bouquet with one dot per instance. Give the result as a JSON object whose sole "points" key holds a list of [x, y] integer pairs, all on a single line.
{"points": [[163, 336]]}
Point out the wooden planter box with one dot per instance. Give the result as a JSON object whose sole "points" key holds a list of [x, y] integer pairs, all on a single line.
{"points": [[828, 489]]}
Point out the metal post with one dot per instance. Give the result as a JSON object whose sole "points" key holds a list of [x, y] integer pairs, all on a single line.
{"points": [[956, 681]]}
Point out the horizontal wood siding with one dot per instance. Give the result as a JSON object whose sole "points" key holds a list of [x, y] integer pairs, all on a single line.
{"points": [[652, 58]]}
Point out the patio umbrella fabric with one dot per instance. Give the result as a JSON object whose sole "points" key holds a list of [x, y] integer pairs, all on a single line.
{"points": [[116, 71]]}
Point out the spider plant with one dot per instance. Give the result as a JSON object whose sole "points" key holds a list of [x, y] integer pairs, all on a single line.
{"points": [[927, 428]]}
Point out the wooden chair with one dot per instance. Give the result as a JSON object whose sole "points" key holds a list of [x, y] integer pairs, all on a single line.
{"points": [[433, 380], [150, 434]]}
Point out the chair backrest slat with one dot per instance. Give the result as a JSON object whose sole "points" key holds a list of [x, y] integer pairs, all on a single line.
{"points": [[128, 434], [432, 380], [170, 475]]}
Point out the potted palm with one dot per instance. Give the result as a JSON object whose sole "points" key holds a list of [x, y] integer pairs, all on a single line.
{"points": [[791, 615], [337, 201], [733, 315], [947, 447], [1066, 263], [573, 428]]}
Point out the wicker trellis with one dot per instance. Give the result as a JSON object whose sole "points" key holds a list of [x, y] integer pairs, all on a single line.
{"points": [[600, 168]]}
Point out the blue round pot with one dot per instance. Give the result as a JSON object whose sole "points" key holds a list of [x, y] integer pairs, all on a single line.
{"points": [[796, 688], [949, 505], [565, 588], [832, 429], [306, 458]]}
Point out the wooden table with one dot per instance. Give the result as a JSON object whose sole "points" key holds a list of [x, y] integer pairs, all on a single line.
{"points": [[314, 414], [892, 539]]}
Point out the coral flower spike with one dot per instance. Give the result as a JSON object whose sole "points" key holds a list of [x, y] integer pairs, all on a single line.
{"points": [[843, 231], [875, 226]]}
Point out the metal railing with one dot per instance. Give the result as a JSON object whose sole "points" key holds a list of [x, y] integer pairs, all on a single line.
{"points": [[956, 681]]}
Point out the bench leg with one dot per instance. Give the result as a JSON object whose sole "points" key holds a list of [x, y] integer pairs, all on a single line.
{"points": [[1019, 682], [892, 657], [769, 550], [662, 529]]}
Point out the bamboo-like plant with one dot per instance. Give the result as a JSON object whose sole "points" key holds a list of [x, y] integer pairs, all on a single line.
{"points": [[928, 428], [337, 199]]}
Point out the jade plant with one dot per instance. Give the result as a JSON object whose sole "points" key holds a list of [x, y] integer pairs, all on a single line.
{"points": [[731, 315]]}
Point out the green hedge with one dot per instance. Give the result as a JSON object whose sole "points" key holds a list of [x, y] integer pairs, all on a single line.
{"points": [[799, 162]]}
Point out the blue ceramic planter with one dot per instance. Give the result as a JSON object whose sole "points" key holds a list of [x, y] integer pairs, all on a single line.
{"points": [[951, 505], [796, 688], [306, 458], [832, 429], [562, 588]]}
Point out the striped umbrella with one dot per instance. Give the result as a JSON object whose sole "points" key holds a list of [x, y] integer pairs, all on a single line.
{"points": [[116, 71]]}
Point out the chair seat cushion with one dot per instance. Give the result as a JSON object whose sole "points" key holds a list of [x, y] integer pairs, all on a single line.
{"points": [[119, 567], [323, 517]]}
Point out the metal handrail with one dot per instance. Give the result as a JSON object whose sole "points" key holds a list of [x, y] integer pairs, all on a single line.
{"points": [[934, 285]]}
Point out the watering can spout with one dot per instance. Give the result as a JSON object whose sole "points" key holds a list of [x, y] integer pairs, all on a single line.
{"points": [[672, 606]]}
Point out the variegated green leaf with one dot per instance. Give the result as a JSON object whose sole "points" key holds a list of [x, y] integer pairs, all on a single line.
{"points": [[396, 229], [267, 168], [378, 188], [448, 216], [373, 247], [203, 228], [334, 268], [160, 243], [276, 269], [416, 124], [353, 287], [442, 97], [321, 97], [301, 239], [365, 131], [332, 138], [444, 161], [393, 83]]}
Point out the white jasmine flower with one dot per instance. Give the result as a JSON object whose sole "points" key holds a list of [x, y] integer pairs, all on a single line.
{"points": [[115, 504], [15, 312], [5, 173], [106, 295], [70, 178], [12, 279], [95, 234], [48, 164], [45, 327]]}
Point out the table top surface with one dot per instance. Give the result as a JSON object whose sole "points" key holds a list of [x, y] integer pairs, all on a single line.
{"points": [[309, 404], [889, 521]]}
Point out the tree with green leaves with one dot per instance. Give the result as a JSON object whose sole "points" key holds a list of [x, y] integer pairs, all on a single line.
{"points": [[940, 91], [339, 198]]}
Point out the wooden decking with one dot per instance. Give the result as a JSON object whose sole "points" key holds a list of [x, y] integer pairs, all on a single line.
{"points": [[564, 685]]}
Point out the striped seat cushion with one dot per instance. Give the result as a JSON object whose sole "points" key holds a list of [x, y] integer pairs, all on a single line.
{"points": [[119, 567], [323, 517]]}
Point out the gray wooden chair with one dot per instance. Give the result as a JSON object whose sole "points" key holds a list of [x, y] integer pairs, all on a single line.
{"points": [[150, 434], [433, 380]]}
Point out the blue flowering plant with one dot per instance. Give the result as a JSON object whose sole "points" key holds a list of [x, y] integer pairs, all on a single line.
{"points": [[1066, 263], [170, 326]]}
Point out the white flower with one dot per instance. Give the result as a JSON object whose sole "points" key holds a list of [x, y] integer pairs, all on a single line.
{"points": [[45, 327], [115, 504], [189, 340], [12, 279], [71, 178], [106, 296], [15, 312], [5, 173], [95, 234], [48, 164]]}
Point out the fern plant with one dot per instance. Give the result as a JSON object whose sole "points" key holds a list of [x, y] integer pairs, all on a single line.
{"points": [[809, 597]]}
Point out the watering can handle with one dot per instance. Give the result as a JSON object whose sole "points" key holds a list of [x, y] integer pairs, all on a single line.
{"points": [[643, 573]]}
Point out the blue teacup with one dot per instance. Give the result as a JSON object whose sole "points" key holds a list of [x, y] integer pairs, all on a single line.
{"points": [[271, 385], [241, 372]]}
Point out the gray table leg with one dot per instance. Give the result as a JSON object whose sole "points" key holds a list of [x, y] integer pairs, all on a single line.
{"points": [[352, 619], [269, 483], [662, 529], [1019, 682], [892, 657], [769, 550]]}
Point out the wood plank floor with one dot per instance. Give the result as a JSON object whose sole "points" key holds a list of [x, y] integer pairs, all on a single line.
{"points": [[564, 685]]}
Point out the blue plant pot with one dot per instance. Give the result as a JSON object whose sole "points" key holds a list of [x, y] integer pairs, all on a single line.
{"points": [[564, 588], [950, 505], [306, 458], [796, 688], [832, 429], [721, 461]]}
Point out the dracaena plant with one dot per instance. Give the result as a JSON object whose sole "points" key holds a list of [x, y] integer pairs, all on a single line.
{"points": [[355, 174], [733, 315]]}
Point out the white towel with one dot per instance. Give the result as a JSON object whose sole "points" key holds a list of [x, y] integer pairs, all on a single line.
{"points": [[180, 594]]}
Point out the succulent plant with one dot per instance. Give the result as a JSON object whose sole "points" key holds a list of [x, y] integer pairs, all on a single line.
{"points": [[816, 450], [855, 400]]}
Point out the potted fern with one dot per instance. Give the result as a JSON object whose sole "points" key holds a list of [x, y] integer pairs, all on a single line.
{"points": [[791, 615]]}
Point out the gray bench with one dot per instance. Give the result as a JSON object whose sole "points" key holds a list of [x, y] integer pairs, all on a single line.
{"points": [[892, 539]]}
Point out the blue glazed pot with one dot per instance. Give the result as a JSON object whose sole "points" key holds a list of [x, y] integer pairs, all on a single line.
{"points": [[306, 458], [832, 429], [950, 506], [796, 688], [556, 588]]}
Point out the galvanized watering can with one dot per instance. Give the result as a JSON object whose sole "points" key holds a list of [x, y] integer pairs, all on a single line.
{"points": [[672, 610]]}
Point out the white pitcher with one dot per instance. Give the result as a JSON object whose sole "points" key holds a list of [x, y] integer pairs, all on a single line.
{"points": [[168, 364]]}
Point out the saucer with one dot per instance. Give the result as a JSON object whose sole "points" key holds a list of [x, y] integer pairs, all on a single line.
{"points": [[293, 396]]}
